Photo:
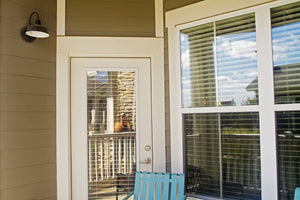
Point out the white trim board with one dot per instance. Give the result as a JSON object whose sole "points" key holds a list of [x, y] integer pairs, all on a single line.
{"points": [[113, 47]]}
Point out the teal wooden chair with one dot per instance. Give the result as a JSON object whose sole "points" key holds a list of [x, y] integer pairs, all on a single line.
{"points": [[159, 185], [297, 194]]}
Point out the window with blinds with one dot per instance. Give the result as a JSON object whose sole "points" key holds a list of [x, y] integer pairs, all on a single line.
{"points": [[219, 68], [288, 149], [111, 111], [218, 63], [222, 155], [286, 47]]}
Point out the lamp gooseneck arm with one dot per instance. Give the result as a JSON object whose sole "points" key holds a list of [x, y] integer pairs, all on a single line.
{"points": [[38, 17]]}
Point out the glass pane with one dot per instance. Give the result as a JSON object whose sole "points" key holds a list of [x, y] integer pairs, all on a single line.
{"points": [[218, 63], [222, 155], [288, 150], [286, 49], [241, 156], [111, 110], [236, 61], [197, 66], [202, 163]]}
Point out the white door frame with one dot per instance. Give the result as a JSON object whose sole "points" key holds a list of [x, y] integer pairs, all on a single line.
{"points": [[112, 47]]}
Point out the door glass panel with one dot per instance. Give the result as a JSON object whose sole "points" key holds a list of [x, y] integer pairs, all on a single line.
{"points": [[111, 125]]}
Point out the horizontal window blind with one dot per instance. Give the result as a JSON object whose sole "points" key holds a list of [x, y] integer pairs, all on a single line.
{"points": [[111, 111], [197, 66], [218, 63], [286, 48], [222, 155], [236, 61], [288, 149]]}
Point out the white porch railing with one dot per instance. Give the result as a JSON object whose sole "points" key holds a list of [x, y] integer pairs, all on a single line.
{"points": [[110, 154]]}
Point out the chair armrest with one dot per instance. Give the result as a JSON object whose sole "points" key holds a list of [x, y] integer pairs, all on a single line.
{"points": [[128, 196]]}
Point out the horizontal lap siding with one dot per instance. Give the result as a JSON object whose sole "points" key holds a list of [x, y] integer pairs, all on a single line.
{"points": [[27, 103], [132, 18]]}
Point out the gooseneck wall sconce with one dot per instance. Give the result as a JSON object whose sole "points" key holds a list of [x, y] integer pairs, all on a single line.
{"points": [[33, 31]]}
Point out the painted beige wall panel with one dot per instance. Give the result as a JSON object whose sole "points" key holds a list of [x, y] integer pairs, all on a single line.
{"points": [[17, 121], [110, 18], [41, 190], [27, 103], [27, 175], [36, 50], [22, 6], [130, 26], [173, 4], [30, 67], [19, 140], [12, 31], [27, 157], [26, 85], [208, 8]]}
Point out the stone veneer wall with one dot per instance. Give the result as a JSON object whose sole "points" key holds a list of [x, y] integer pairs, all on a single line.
{"points": [[126, 98]]}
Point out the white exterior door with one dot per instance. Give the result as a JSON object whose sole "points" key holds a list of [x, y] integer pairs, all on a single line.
{"points": [[111, 125]]}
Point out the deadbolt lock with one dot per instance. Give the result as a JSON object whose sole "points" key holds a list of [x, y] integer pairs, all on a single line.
{"points": [[148, 148]]}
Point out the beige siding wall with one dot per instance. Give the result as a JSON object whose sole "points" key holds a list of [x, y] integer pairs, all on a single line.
{"points": [[133, 18], [27, 103], [172, 4]]}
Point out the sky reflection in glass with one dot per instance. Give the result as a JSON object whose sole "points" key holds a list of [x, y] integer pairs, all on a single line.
{"points": [[233, 69]]}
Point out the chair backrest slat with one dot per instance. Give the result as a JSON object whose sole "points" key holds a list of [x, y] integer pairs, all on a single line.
{"points": [[158, 186], [166, 180], [151, 186], [297, 193], [145, 180], [137, 185], [173, 186], [150, 183], [181, 187]]}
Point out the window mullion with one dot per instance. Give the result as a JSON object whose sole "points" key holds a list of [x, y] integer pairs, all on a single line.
{"points": [[266, 104]]}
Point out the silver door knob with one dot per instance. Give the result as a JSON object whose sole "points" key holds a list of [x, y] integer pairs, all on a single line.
{"points": [[147, 161]]}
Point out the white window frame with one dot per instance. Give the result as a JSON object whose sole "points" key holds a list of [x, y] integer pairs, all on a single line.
{"points": [[210, 11]]}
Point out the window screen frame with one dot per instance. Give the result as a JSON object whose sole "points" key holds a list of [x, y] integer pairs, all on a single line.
{"points": [[266, 107]]}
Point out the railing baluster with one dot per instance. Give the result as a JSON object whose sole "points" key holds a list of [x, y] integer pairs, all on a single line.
{"points": [[90, 160], [125, 155], [107, 157], [130, 156], [119, 155], [113, 157], [96, 159], [101, 158]]}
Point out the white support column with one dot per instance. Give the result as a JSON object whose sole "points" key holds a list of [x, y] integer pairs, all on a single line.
{"points": [[266, 101], [110, 115]]}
